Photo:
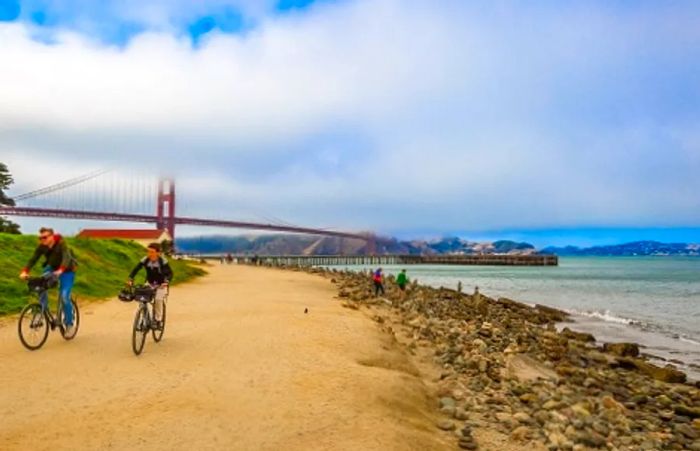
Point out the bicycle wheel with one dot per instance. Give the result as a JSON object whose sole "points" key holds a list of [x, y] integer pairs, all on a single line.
{"points": [[33, 326], [158, 333], [76, 321], [138, 337]]}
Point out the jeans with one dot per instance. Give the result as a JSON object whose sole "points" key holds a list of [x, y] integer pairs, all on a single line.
{"points": [[66, 281], [378, 286]]}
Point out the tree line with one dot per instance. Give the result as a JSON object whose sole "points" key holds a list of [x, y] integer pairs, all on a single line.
{"points": [[6, 226]]}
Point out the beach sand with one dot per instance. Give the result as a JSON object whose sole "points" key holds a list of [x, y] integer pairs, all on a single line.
{"points": [[241, 366]]}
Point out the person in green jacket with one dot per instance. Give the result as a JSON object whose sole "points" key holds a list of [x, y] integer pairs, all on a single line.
{"points": [[58, 259], [402, 281]]}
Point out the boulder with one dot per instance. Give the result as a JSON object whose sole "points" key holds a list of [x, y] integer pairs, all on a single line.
{"points": [[579, 336], [622, 349], [669, 373], [691, 412]]}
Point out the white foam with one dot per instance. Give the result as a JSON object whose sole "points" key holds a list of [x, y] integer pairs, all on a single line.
{"points": [[604, 316], [689, 340]]}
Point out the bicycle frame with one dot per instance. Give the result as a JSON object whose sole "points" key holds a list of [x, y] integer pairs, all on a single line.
{"points": [[46, 309]]}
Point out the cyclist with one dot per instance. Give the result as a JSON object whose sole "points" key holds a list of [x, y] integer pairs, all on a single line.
{"points": [[158, 275], [59, 260]]}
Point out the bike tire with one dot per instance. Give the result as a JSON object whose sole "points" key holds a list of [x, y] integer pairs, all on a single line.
{"points": [[140, 330], [37, 326], [158, 333], [76, 321]]}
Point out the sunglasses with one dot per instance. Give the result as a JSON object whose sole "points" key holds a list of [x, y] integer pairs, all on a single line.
{"points": [[44, 237]]}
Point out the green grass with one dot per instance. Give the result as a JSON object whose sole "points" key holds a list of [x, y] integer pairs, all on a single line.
{"points": [[103, 267]]}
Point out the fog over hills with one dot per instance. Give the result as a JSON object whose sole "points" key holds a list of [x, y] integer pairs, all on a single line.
{"points": [[310, 245]]}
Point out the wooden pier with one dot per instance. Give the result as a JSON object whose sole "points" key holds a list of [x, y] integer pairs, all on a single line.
{"points": [[347, 260]]}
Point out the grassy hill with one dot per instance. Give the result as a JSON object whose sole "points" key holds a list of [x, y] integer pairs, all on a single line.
{"points": [[103, 268]]}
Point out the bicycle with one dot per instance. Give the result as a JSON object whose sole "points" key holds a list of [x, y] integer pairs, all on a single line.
{"points": [[144, 320], [36, 319]]}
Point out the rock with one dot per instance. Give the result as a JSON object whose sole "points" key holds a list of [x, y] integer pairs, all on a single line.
{"points": [[557, 439], [350, 305], [448, 410], [486, 329], [522, 417], [504, 418], [696, 424], [601, 428], [622, 349], [553, 404], [695, 446], [666, 374], [639, 399], [461, 414], [664, 400], [687, 430], [691, 412], [446, 425], [468, 443], [599, 357], [542, 416], [590, 382], [447, 402], [549, 314], [592, 439], [579, 336], [581, 411], [666, 415], [528, 398], [520, 434], [609, 402], [479, 344]]}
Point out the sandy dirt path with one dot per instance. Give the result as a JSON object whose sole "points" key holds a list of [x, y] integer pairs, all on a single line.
{"points": [[240, 367]]}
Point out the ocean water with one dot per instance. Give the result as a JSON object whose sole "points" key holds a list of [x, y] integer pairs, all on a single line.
{"points": [[653, 301]]}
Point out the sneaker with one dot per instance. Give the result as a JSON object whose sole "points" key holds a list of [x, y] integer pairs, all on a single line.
{"points": [[68, 329]]}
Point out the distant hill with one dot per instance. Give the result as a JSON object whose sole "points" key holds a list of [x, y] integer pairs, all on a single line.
{"points": [[309, 245], [636, 248]]}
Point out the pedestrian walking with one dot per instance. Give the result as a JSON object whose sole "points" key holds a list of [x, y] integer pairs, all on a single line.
{"points": [[378, 279]]}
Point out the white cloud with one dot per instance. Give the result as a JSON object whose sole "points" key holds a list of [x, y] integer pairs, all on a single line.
{"points": [[383, 114]]}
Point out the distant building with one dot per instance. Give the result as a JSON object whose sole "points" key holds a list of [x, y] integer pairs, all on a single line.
{"points": [[142, 236]]}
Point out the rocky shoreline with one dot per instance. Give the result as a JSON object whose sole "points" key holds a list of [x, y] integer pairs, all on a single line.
{"points": [[506, 366]]}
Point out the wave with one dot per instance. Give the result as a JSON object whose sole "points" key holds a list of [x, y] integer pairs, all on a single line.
{"points": [[609, 317], [689, 340], [605, 315]]}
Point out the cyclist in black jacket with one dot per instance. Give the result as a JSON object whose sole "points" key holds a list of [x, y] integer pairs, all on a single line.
{"points": [[158, 275], [59, 260]]}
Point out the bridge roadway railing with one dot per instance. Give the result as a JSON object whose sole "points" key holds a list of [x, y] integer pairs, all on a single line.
{"points": [[373, 260]]}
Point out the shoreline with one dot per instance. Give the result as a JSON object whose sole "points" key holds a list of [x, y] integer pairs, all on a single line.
{"points": [[661, 339], [505, 365], [660, 348]]}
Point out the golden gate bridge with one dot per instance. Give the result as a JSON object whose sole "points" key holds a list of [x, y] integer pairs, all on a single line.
{"points": [[99, 196]]}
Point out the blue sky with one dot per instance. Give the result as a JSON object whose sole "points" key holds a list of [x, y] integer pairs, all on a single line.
{"points": [[544, 121]]}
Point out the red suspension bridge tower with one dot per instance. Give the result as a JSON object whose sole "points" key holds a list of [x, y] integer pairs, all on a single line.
{"points": [[165, 209]]}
